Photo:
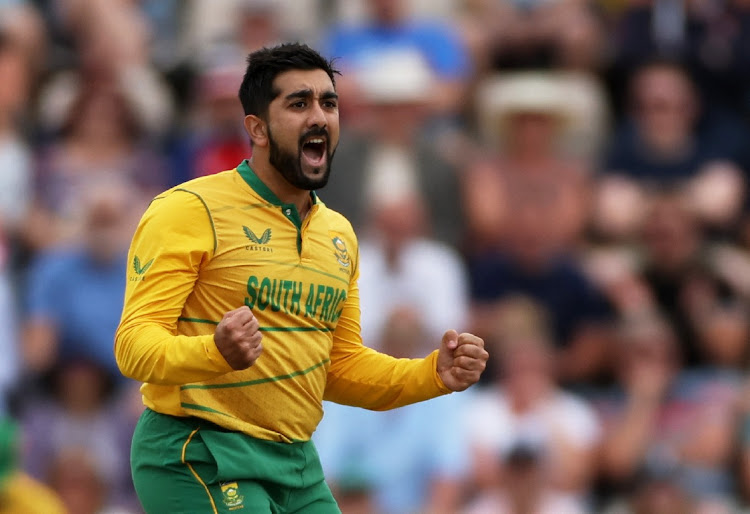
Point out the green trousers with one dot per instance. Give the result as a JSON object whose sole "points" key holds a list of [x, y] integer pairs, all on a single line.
{"points": [[191, 466]]}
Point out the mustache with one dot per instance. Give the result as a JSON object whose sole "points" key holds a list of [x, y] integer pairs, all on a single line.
{"points": [[313, 132]]}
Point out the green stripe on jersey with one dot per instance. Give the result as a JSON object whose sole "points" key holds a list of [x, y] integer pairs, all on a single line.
{"points": [[195, 406], [198, 320], [257, 381], [295, 329], [262, 329]]}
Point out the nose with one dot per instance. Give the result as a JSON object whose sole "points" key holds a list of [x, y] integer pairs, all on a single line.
{"points": [[317, 117]]}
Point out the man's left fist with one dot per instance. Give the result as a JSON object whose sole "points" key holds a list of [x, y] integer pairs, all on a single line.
{"points": [[461, 360]]}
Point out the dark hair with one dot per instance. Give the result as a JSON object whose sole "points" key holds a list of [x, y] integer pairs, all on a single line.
{"points": [[264, 65]]}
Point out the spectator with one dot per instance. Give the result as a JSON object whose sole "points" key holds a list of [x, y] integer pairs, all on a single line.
{"points": [[75, 294], [409, 460], [101, 142], [669, 141], [686, 282], [526, 206], [524, 406], [79, 483], [526, 119], [390, 138], [110, 43], [660, 415], [403, 267], [79, 419], [389, 35]]}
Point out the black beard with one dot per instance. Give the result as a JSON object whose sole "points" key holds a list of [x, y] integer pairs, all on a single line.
{"points": [[290, 165]]}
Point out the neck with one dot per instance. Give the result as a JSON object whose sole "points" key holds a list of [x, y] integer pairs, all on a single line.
{"points": [[283, 190]]}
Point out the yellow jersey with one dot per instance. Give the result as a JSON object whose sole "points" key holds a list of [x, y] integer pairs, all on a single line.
{"points": [[218, 242], [22, 494]]}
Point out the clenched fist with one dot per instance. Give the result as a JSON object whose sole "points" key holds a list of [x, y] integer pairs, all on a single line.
{"points": [[238, 338], [461, 360]]}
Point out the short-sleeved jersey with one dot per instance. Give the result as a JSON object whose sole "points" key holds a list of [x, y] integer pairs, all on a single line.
{"points": [[219, 242]]}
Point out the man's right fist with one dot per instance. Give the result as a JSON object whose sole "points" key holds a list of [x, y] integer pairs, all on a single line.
{"points": [[238, 338]]}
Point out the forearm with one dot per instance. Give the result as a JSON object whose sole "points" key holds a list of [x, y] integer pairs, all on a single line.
{"points": [[149, 353], [376, 381], [575, 470], [626, 446]]}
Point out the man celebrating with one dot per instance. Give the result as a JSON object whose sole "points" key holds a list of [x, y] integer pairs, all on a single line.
{"points": [[242, 315]]}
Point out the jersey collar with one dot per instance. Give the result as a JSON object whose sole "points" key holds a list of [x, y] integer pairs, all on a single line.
{"points": [[257, 185]]}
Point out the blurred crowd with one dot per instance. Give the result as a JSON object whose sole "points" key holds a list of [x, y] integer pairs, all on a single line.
{"points": [[567, 179]]}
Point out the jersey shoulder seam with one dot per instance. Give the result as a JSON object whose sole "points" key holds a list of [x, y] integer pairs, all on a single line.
{"points": [[208, 212]]}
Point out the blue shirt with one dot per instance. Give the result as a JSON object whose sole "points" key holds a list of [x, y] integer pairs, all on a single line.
{"points": [[83, 299], [394, 454], [571, 299], [358, 46]]}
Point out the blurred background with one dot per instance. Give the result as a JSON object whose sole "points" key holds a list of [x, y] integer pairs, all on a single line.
{"points": [[566, 178]]}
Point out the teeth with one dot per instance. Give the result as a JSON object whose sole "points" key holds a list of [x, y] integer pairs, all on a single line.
{"points": [[317, 140]]}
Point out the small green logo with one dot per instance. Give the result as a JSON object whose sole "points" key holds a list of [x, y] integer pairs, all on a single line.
{"points": [[232, 497], [263, 239], [140, 270]]}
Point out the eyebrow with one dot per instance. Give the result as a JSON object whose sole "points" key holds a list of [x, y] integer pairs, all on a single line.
{"points": [[307, 93]]}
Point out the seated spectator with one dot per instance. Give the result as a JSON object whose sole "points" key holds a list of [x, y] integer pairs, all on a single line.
{"points": [[389, 34], [101, 142], [658, 414], [74, 294], [660, 142], [404, 268], [685, 279], [530, 262], [525, 407], [80, 417], [525, 208], [412, 459], [528, 120], [580, 314], [389, 136], [109, 42], [670, 141], [76, 478]]}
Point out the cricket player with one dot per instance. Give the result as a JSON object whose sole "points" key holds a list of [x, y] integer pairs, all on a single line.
{"points": [[241, 315]]}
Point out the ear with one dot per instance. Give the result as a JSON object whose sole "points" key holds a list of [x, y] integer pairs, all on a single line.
{"points": [[257, 130]]}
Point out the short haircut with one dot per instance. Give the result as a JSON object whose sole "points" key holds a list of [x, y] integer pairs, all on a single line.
{"points": [[264, 65]]}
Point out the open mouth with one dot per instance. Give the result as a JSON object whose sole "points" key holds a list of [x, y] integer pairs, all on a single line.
{"points": [[314, 150]]}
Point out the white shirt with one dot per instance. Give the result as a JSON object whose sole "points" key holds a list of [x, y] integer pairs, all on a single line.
{"points": [[493, 425], [430, 277]]}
